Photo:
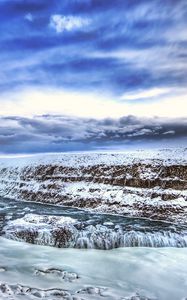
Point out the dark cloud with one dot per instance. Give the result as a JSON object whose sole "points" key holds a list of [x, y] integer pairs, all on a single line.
{"points": [[49, 133]]}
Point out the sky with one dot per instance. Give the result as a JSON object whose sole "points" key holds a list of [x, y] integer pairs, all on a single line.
{"points": [[92, 75]]}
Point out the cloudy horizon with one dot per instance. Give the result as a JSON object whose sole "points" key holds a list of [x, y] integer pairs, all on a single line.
{"points": [[88, 74]]}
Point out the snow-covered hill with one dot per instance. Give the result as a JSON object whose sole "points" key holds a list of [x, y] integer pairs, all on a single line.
{"points": [[140, 183]]}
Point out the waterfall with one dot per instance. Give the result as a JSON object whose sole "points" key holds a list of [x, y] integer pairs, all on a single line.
{"points": [[66, 233]]}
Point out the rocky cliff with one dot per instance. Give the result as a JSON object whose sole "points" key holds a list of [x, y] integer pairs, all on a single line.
{"points": [[149, 184]]}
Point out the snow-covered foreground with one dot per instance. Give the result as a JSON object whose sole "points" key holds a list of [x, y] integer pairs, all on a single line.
{"points": [[149, 184], [38, 272]]}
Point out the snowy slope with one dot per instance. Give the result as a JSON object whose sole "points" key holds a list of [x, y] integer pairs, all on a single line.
{"points": [[170, 156]]}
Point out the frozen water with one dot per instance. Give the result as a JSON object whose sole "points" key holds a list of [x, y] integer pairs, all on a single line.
{"points": [[116, 274]]}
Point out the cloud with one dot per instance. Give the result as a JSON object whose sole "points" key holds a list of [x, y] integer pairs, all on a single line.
{"points": [[169, 132], [67, 23], [146, 94], [122, 49], [82, 104], [29, 17], [49, 133], [91, 59]]}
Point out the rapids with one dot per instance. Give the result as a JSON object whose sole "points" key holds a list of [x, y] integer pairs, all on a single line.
{"points": [[65, 227]]}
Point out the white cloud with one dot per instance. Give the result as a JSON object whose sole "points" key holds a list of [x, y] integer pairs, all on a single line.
{"points": [[67, 23], [150, 93], [29, 17], [35, 102], [169, 132]]}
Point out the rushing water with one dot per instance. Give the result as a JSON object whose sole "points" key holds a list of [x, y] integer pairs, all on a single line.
{"points": [[38, 272], [42, 224]]}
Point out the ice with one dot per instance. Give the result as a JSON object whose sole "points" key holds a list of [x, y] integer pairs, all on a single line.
{"points": [[124, 273]]}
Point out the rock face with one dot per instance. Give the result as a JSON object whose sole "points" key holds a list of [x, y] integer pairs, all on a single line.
{"points": [[2, 218], [146, 184], [64, 232]]}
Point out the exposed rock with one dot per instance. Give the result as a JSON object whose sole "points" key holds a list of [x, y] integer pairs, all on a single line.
{"points": [[92, 291], [63, 232], [2, 222], [154, 185], [62, 274], [43, 230], [9, 291]]}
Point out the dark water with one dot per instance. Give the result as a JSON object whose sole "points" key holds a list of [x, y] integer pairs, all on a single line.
{"points": [[12, 209]]}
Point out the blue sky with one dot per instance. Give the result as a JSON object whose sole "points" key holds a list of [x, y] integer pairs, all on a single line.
{"points": [[79, 67]]}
